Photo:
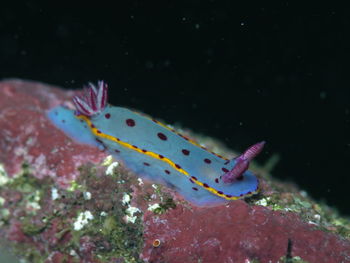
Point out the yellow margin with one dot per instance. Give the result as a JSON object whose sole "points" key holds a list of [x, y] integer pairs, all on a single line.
{"points": [[100, 134]]}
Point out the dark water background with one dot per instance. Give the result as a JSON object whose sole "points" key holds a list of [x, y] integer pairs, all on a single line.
{"points": [[240, 73]]}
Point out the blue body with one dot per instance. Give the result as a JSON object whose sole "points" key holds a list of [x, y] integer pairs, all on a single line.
{"points": [[144, 134]]}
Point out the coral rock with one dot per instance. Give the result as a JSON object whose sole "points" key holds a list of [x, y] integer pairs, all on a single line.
{"points": [[40, 213]]}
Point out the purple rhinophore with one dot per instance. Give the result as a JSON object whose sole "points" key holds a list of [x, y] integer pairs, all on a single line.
{"points": [[242, 163], [94, 100], [253, 151]]}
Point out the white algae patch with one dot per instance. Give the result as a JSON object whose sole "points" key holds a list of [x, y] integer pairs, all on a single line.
{"points": [[82, 220]]}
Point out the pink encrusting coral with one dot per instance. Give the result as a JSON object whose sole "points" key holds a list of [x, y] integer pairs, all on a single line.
{"points": [[26, 135], [237, 233], [130, 220]]}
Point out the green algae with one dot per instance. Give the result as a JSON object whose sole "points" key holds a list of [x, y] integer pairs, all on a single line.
{"points": [[123, 240], [119, 239], [165, 203], [295, 259], [164, 206], [30, 189], [318, 214], [32, 229]]}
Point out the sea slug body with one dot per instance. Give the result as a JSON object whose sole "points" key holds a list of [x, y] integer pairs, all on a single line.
{"points": [[156, 152]]}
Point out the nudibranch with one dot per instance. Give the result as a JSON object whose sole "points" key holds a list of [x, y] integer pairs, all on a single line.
{"points": [[157, 152]]}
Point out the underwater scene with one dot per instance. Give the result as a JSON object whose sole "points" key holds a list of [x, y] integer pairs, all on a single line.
{"points": [[174, 132]]}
